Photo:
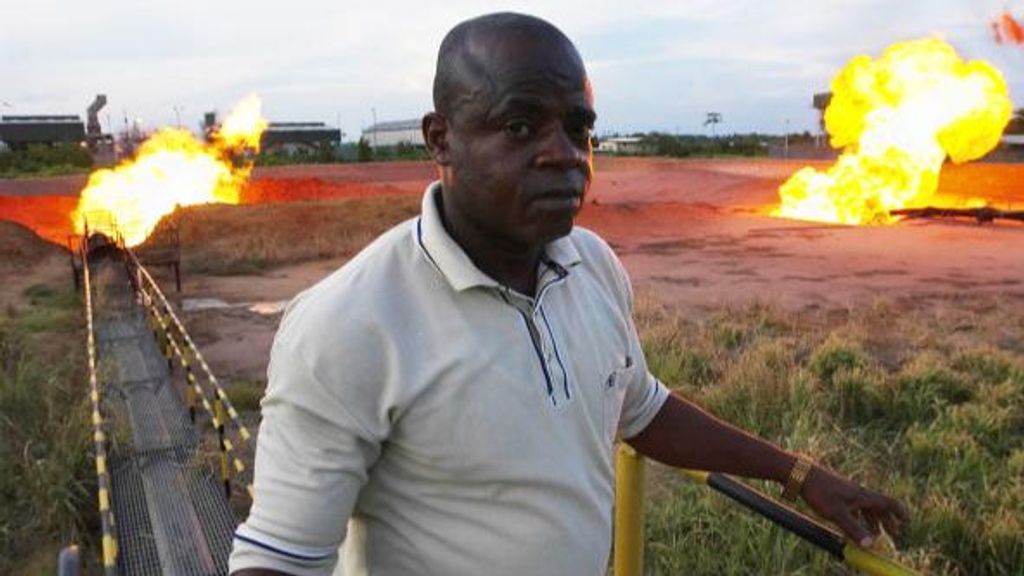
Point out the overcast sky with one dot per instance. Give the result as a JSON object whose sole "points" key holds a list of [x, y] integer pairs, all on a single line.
{"points": [[659, 66]]}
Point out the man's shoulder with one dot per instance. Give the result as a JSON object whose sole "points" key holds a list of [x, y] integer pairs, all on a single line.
{"points": [[595, 252], [598, 259], [589, 243], [380, 270]]}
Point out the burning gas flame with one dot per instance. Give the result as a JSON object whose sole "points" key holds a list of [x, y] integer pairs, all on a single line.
{"points": [[897, 118], [172, 168], [1008, 30]]}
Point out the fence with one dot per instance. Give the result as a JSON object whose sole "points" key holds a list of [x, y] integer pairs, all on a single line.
{"points": [[109, 540], [176, 344], [629, 520]]}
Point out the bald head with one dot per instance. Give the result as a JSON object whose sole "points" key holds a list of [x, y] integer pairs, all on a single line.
{"points": [[477, 53]]}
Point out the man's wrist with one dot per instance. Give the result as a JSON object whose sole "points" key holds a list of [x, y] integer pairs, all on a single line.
{"points": [[797, 477]]}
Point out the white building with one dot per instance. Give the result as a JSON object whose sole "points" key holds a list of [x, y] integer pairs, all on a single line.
{"points": [[621, 145], [384, 134], [1013, 140]]}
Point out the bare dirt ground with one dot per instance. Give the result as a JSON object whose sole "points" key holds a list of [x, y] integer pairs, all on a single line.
{"points": [[694, 234]]}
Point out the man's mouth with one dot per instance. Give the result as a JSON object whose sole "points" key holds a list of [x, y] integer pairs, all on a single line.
{"points": [[559, 199]]}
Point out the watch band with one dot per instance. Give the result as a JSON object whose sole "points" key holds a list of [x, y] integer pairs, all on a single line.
{"points": [[797, 476]]}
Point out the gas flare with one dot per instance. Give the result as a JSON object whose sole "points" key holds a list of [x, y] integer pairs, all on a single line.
{"points": [[897, 119], [1007, 29], [172, 168]]}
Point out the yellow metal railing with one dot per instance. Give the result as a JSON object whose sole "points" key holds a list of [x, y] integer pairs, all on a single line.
{"points": [[629, 520], [176, 343], [109, 540]]}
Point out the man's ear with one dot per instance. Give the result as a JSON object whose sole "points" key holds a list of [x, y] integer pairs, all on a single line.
{"points": [[435, 135]]}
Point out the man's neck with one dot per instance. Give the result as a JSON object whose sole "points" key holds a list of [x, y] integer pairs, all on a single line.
{"points": [[510, 264]]}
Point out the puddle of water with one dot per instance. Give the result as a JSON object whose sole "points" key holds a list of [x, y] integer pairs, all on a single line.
{"points": [[268, 308], [195, 304], [261, 308]]}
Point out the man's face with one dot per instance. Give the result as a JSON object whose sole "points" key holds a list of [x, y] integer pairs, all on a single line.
{"points": [[520, 159]]}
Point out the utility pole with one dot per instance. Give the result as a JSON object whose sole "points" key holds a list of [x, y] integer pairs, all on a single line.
{"points": [[713, 118], [375, 129], [177, 114], [785, 147]]}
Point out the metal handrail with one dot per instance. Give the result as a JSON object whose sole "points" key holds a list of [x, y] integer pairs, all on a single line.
{"points": [[243, 431], [629, 515], [219, 407], [109, 542], [215, 409]]}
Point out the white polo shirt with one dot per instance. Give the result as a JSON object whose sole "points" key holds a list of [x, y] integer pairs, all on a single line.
{"points": [[454, 425]]}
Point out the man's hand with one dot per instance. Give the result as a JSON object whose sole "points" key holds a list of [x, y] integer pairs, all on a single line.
{"points": [[859, 512], [685, 436]]}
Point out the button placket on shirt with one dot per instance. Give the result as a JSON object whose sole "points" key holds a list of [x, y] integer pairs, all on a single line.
{"points": [[541, 334]]}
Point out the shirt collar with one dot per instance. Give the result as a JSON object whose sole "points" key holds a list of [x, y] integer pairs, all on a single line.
{"points": [[453, 262]]}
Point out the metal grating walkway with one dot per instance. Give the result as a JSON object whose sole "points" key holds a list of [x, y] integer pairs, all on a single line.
{"points": [[172, 515]]}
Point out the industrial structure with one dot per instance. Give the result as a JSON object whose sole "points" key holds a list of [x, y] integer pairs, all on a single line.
{"points": [[399, 132], [299, 137], [94, 136], [19, 132]]}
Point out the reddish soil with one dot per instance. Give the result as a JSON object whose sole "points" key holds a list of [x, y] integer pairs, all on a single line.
{"points": [[694, 233]]}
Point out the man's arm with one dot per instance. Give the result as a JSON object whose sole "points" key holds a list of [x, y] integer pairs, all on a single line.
{"points": [[685, 436], [317, 441]]}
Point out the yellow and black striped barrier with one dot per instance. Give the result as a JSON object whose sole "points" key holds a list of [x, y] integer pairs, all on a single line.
{"points": [[629, 515], [169, 331], [109, 542]]}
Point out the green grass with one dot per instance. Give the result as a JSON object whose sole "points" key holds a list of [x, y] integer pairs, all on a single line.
{"points": [[245, 395], [253, 239], [888, 395], [46, 466]]}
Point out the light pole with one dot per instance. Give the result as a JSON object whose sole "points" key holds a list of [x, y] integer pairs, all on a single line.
{"points": [[375, 127], [177, 114], [785, 147], [714, 119]]}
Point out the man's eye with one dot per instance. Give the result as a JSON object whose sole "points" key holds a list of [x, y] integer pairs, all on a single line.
{"points": [[519, 130]]}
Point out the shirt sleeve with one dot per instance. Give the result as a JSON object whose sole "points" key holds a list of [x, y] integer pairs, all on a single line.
{"points": [[645, 394], [312, 458]]}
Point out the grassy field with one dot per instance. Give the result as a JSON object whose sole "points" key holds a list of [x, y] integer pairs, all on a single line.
{"points": [[924, 400], [47, 482], [219, 239]]}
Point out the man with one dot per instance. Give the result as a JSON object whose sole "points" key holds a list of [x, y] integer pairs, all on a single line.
{"points": [[453, 393]]}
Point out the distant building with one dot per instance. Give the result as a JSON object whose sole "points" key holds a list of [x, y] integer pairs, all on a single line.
{"points": [[384, 134], [1013, 140], [622, 145], [1011, 149], [20, 132], [298, 137]]}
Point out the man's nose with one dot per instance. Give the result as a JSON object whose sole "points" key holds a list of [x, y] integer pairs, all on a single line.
{"points": [[562, 152]]}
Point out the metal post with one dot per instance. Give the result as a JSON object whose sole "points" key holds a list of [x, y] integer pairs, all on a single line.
{"points": [[225, 472], [69, 561], [629, 512], [190, 394]]}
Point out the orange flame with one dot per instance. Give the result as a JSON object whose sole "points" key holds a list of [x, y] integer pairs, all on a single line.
{"points": [[1007, 29], [897, 118], [172, 168]]}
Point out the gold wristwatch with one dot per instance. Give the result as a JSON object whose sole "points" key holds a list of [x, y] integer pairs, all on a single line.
{"points": [[797, 475]]}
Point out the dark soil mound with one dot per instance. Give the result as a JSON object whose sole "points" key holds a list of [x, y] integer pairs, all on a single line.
{"points": [[21, 248]]}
